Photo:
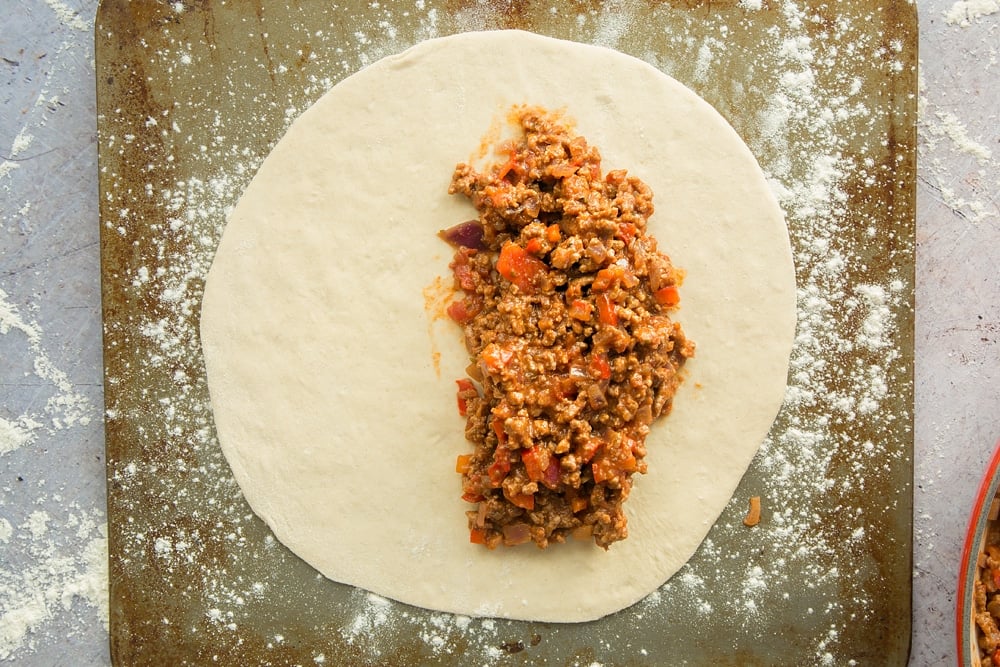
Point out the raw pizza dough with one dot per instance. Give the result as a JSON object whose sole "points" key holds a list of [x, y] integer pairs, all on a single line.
{"points": [[340, 426]]}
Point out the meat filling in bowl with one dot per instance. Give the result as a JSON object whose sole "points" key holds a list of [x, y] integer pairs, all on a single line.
{"points": [[565, 303], [986, 601]]}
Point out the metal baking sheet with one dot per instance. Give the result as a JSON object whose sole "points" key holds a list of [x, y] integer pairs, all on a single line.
{"points": [[191, 97]]}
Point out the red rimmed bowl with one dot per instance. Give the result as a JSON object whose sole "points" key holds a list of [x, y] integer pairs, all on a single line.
{"points": [[983, 524]]}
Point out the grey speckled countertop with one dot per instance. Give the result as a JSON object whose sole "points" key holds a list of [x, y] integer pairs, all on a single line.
{"points": [[53, 575]]}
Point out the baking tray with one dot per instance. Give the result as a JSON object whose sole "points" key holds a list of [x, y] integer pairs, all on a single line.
{"points": [[191, 97]]}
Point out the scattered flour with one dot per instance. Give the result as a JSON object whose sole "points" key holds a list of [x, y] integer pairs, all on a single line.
{"points": [[965, 12], [53, 534], [612, 24], [54, 577], [21, 142], [64, 405], [53, 573], [68, 16], [817, 135], [16, 434], [949, 126], [945, 136], [959, 183]]}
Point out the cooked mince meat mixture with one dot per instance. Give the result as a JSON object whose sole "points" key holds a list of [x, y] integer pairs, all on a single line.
{"points": [[986, 600], [565, 304]]}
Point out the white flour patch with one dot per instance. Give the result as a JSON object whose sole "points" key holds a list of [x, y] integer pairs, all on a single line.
{"points": [[947, 124], [67, 16], [53, 531], [46, 572], [7, 166], [612, 24], [965, 12], [11, 320], [64, 405], [16, 434], [56, 574], [21, 142], [944, 137]]}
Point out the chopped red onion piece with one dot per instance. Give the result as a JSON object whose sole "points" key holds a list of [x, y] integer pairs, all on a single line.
{"points": [[468, 234], [516, 533]]}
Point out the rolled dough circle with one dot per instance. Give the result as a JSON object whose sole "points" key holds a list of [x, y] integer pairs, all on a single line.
{"points": [[333, 388]]}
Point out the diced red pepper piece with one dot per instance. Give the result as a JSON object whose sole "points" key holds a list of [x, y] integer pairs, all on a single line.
{"points": [[535, 460], [588, 449], [609, 276], [602, 469], [533, 246], [580, 310], [510, 148], [605, 278], [553, 234], [551, 477], [460, 311], [577, 150], [616, 460], [477, 536], [626, 232], [599, 366], [497, 424], [507, 168], [606, 311], [520, 267], [463, 463], [465, 388], [616, 176], [496, 357], [472, 497], [522, 500], [667, 296], [498, 472], [496, 194], [464, 277]]}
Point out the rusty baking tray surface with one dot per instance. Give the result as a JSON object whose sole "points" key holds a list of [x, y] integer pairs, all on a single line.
{"points": [[192, 96]]}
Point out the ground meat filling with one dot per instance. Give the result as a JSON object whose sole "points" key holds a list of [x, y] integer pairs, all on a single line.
{"points": [[986, 600], [565, 304]]}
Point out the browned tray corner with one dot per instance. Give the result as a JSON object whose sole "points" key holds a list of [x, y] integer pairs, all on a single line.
{"points": [[193, 94]]}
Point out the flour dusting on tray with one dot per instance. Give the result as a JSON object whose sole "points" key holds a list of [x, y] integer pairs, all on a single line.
{"points": [[818, 139]]}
